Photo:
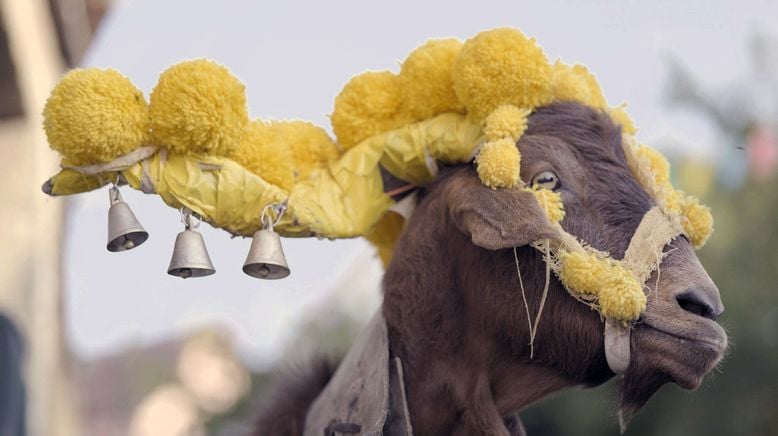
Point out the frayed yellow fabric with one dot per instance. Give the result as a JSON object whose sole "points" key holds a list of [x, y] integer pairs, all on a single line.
{"points": [[506, 121], [501, 66], [498, 164], [368, 105], [384, 235], [425, 79], [94, 116], [198, 107], [551, 203]]}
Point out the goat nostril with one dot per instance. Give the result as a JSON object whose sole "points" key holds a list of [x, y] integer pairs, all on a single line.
{"points": [[691, 302]]}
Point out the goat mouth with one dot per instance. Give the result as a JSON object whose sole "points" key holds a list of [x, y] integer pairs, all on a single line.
{"points": [[716, 342], [683, 356]]}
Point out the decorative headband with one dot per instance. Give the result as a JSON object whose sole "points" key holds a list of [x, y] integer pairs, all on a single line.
{"points": [[451, 102]]}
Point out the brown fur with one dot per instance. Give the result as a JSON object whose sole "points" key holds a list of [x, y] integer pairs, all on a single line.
{"points": [[452, 299]]}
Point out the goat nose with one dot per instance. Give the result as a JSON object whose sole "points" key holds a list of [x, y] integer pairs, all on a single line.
{"points": [[699, 302]]}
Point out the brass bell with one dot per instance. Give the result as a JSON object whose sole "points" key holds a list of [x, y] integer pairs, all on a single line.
{"points": [[124, 230], [190, 257], [266, 257]]}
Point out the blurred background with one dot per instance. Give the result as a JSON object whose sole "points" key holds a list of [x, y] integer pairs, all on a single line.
{"points": [[95, 343]]}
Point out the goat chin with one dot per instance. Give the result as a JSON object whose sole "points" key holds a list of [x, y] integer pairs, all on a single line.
{"points": [[659, 358]]}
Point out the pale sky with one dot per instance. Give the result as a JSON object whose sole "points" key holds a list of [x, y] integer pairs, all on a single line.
{"points": [[294, 57]]}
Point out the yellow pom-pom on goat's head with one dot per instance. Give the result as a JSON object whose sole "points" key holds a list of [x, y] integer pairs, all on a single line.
{"points": [[198, 107], [368, 105], [575, 83], [264, 155], [617, 292], [94, 116], [310, 145], [656, 163], [506, 121], [498, 164], [425, 79], [501, 66], [551, 203], [697, 221]]}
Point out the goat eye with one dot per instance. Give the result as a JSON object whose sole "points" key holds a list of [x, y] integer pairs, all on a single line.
{"points": [[545, 180]]}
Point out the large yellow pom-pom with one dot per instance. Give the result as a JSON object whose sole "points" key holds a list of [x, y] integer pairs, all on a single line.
{"points": [[581, 272], [576, 84], [264, 155], [94, 116], [312, 148], [618, 293], [425, 79], [367, 105], [620, 116], [498, 164], [551, 203], [697, 221], [657, 163], [621, 297], [198, 107], [501, 66], [506, 121]]}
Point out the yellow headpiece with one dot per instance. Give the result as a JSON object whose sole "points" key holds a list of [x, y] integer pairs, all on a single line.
{"points": [[451, 102]]}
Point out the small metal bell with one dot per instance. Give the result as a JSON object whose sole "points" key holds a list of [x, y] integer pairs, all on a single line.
{"points": [[266, 258], [190, 257], [124, 230]]}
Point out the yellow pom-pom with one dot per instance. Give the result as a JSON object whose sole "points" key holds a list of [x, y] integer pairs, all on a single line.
{"points": [[657, 163], [198, 107], [311, 146], [580, 273], [621, 296], [620, 116], [673, 199], [507, 121], [697, 221], [576, 84], [367, 105], [425, 79], [551, 203], [264, 155], [501, 66], [618, 293], [498, 164], [94, 116], [384, 234]]}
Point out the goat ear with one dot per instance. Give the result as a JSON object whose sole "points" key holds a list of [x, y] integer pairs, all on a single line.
{"points": [[497, 219]]}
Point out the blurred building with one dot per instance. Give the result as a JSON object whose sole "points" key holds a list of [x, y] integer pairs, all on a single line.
{"points": [[38, 39]]}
